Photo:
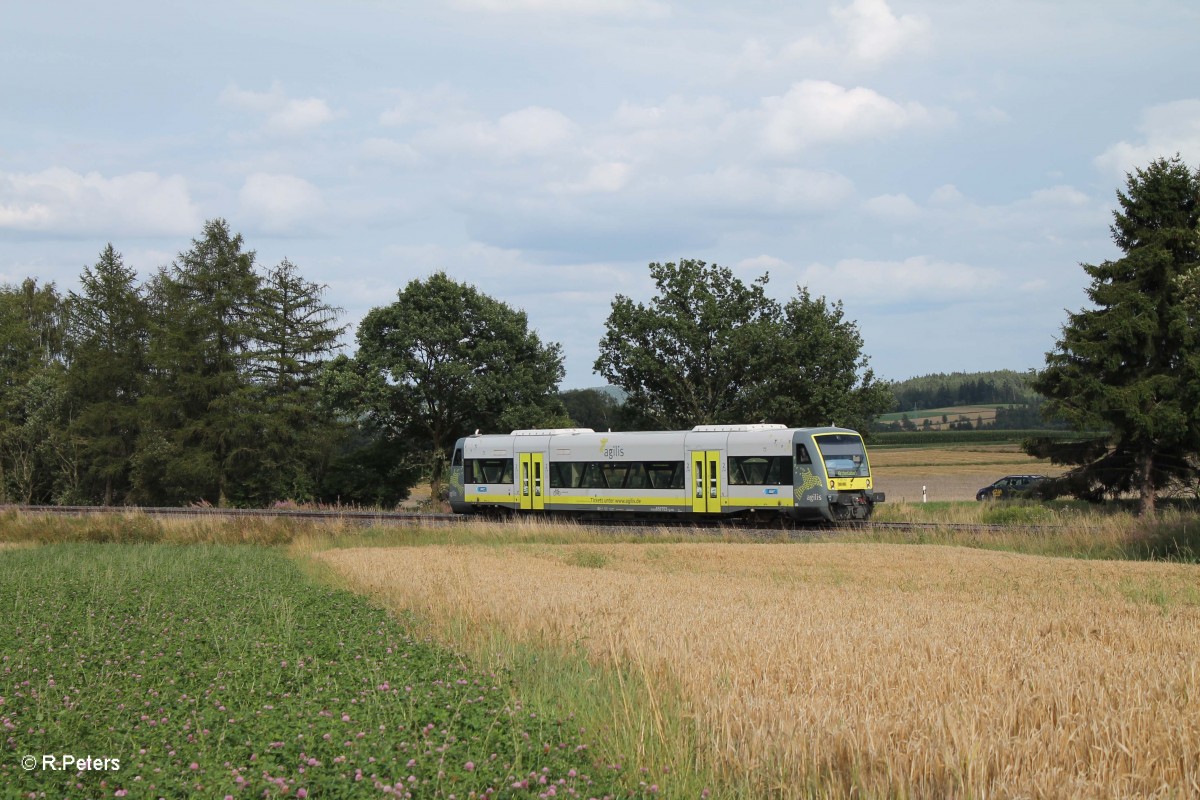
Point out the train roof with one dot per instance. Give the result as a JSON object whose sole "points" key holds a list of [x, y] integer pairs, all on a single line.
{"points": [[737, 428]]}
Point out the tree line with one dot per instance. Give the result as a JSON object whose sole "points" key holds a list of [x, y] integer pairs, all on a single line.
{"points": [[197, 386], [942, 390], [218, 381]]}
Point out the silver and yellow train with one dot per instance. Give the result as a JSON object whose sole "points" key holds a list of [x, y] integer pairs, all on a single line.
{"points": [[711, 471]]}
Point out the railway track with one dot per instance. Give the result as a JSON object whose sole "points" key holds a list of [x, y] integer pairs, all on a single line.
{"points": [[400, 518], [198, 512]]}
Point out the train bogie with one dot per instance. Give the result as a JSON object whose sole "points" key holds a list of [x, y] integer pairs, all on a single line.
{"points": [[709, 472]]}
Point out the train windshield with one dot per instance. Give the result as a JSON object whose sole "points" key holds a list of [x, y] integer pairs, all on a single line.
{"points": [[844, 455]]}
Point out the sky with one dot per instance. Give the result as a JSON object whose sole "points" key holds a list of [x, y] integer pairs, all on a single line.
{"points": [[940, 168]]}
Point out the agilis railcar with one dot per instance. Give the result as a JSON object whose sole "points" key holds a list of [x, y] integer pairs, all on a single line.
{"points": [[712, 471]]}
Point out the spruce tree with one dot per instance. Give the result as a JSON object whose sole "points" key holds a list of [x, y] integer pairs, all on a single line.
{"points": [[203, 414], [107, 341], [297, 330], [1129, 366]]}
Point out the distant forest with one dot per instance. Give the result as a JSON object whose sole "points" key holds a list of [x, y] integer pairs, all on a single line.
{"points": [[942, 390], [602, 408]]}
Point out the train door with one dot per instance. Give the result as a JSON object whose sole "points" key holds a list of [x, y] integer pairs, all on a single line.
{"points": [[706, 481], [532, 482]]}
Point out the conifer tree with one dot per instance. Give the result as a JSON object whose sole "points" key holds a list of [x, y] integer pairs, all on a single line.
{"points": [[1130, 365], [107, 341], [204, 428], [297, 330]]}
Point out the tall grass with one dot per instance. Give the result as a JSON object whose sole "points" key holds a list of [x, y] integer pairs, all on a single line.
{"points": [[1061, 529]]}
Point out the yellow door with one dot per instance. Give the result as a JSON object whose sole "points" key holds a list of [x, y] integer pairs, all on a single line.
{"points": [[706, 481], [532, 482], [539, 483]]}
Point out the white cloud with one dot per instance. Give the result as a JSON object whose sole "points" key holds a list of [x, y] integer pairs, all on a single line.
{"points": [[1059, 197], [61, 201], [606, 177], [816, 112], [1166, 129], [993, 115], [617, 8], [526, 132], [774, 191], [760, 264], [280, 203], [891, 282], [282, 115], [892, 206], [866, 33], [947, 195], [389, 151], [532, 130], [657, 137], [675, 111], [437, 105], [874, 34]]}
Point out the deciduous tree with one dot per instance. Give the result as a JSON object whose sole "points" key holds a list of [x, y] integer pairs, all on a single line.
{"points": [[710, 348], [32, 405], [446, 359], [592, 408]]}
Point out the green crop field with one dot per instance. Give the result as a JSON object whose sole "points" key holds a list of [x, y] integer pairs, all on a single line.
{"points": [[215, 671]]}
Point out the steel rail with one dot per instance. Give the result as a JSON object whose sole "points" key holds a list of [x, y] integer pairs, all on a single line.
{"points": [[346, 515]]}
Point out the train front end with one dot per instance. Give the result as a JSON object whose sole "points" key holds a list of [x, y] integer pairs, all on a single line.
{"points": [[833, 480]]}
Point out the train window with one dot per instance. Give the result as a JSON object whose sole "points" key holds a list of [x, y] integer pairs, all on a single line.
{"points": [[843, 455], [457, 460], [560, 475], [616, 474], [488, 470], [760, 470], [637, 478], [802, 456], [593, 477], [665, 474]]}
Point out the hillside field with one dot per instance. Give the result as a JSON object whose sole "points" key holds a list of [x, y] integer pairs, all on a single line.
{"points": [[940, 419], [954, 471]]}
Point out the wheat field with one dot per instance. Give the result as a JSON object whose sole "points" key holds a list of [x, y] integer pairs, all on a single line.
{"points": [[845, 670]]}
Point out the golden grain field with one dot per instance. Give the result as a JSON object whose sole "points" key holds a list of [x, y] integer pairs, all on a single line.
{"points": [[859, 670]]}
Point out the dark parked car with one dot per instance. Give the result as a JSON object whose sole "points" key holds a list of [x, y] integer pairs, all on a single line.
{"points": [[1009, 487]]}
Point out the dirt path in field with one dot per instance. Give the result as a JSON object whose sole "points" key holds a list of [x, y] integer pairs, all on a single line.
{"points": [[935, 488]]}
